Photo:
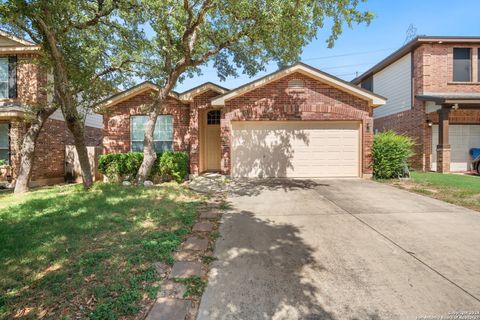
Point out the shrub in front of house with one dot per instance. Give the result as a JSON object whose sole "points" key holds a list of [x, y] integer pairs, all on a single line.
{"points": [[390, 153], [170, 165]]}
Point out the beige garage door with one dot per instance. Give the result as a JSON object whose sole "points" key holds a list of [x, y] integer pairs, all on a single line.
{"points": [[295, 149]]}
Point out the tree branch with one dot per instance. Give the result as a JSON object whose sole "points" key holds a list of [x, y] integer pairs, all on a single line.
{"points": [[99, 13], [112, 68]]}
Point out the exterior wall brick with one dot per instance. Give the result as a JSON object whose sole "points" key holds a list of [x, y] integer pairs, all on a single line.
{"points": [[31, 81], [49, 158], [276, 101], [432, 73], [116, 122]]}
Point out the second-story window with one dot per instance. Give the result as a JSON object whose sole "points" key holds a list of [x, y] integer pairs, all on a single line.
{"points": [[478, 64], [4, 78], [462, 64]]}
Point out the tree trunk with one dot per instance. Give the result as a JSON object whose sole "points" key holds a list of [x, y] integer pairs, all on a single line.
{"points": [[28, 150], [77, 129], [149, 154]]}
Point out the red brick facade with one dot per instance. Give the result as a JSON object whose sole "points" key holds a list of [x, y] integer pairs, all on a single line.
{"points": [[116, 122], [316, 101], [49, 159], [273, 101], [432, 73]]}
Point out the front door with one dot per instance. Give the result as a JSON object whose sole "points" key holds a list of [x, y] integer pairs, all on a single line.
{"points": [[212, 140]]}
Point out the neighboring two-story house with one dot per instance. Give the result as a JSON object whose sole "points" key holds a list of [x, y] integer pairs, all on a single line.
{"points": [[433, 89], [22, 83]]}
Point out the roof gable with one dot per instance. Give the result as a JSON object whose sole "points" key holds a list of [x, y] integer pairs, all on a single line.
{"points": [[188, 95], [373, 99], [131, 92], [10, 44], [8, 40]]}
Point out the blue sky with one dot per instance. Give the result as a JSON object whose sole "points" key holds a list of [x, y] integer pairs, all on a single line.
{"points": [[359, 48]]}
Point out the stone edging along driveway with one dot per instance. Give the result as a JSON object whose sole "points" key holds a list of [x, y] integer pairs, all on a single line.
{"points": [[182, 284]]}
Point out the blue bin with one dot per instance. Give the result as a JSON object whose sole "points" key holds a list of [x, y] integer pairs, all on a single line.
{"points": [[475, 153]]}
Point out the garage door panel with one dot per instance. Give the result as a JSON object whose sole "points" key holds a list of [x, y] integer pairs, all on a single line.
{"points": [[461, 138], [295, 149]]}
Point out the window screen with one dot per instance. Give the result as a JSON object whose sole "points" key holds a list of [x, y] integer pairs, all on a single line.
{"points": [[162, 136], [462, 64], [3, 78], [4, 142]]}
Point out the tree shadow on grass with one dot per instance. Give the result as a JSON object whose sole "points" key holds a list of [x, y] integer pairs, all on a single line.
{"points": [[51, 240]]}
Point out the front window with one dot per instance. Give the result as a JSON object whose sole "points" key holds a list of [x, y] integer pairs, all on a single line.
{"points": [[4, 143], [462, 65], [162, 136], [3, 78]]}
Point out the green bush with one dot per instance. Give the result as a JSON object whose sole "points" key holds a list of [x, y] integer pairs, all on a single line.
{"points": [[173, 166], [390, 153], [120, 166], [169, 165], [3, 162]]}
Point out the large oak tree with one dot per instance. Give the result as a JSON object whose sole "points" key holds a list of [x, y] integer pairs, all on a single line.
{"points": [[87, 46], [233, 35]]}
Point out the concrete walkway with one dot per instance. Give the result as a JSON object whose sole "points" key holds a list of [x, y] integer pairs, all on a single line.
{"points": [[342, 249]]}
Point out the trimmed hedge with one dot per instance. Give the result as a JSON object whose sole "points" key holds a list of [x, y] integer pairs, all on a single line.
{"points": [[390, 153], [169, 165]]}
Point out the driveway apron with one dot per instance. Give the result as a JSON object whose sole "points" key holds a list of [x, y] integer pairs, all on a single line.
{"points": [[341, 249]]}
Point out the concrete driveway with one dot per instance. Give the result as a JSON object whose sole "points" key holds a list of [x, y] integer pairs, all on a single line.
{"points": [[342, 249]]}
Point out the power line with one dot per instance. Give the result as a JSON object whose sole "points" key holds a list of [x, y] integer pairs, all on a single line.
{"points": [[347, 66], [348, 54]]}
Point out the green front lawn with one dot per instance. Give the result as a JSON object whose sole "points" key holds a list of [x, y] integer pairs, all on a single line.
{"points": [[462, 190], [68, 254]]}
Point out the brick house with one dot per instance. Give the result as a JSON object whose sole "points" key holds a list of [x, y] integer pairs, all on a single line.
{"points": [[22, 84], [433, 89], [296, 122]]}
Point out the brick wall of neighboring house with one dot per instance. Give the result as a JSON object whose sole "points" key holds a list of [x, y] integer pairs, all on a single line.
{"points": [[116, 123], [93, 136], [432, 72], [49, 159], [31, 80], [200, 102], [316, 101]]}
